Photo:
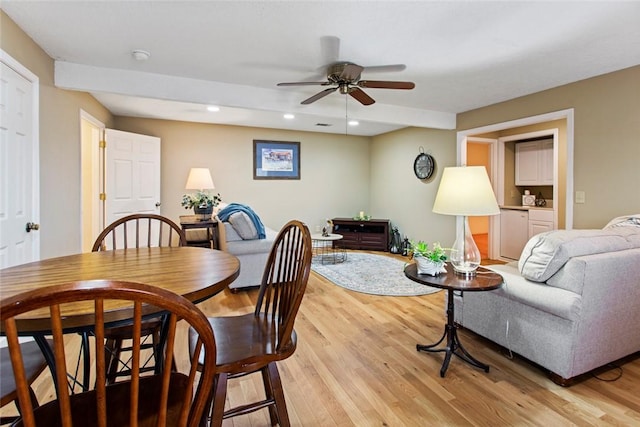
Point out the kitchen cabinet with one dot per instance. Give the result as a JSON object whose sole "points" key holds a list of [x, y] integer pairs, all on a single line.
{"points": [[540, 220], [534, 163], [514, 232]]}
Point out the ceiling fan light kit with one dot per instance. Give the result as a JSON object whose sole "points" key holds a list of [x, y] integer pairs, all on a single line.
{"points": [[345, 77]]}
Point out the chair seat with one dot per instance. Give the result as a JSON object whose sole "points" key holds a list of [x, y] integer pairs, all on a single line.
{"points": [[84, 404], [34, 364], [246, 342]]}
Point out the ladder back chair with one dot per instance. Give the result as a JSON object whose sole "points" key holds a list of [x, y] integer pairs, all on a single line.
{"points": [[135, 231], [254, 342], [165, 399]]}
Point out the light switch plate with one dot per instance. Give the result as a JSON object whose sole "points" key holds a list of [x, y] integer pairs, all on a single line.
{"points": [[580, 197]]}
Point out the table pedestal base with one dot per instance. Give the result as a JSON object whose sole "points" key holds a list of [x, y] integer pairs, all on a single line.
{"points": [[453, 346]]}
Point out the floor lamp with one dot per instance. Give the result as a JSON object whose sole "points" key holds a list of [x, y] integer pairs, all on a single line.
{"points": [[465, 191]]}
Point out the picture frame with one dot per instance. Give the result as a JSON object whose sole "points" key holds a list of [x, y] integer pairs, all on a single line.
{"points": [[276, 159]]}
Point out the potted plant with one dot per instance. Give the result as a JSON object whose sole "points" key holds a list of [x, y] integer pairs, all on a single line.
{"points": [[430, 260], [201, 201]]}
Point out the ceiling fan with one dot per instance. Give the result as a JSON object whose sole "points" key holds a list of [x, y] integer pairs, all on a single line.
{"points": [[345, 77]]}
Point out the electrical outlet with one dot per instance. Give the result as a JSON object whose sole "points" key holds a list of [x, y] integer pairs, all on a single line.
{"points": [[580, 197]]}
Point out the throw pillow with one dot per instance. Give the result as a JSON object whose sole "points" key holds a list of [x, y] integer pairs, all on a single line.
{"points": [[546, 253], [243, 225]]}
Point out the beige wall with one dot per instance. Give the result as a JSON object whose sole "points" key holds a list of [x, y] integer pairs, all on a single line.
{"points": [[397, 194], [334, 170], [606, 145], [59, 144]]}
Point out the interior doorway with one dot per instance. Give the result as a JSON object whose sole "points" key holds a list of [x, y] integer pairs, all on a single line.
{"points": [[563, 164], [479, 153], [91, 132]]}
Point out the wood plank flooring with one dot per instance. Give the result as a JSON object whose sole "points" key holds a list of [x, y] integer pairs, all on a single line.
{"points": [[357, 365]]}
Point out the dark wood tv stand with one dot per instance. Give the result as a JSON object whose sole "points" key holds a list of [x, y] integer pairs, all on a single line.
{"points": [[360, 234]]}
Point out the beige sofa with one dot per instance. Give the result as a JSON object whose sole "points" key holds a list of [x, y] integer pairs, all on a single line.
{"points": [[570, 304]]}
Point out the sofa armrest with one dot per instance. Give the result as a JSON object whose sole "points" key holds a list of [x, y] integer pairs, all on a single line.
{"points": [[222, 236]]}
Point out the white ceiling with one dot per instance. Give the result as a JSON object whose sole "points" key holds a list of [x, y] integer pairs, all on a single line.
{"points": [[461, 55]]}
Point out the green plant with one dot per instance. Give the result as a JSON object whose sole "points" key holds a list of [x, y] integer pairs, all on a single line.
{"points": [[436, 253], [200, 199]]}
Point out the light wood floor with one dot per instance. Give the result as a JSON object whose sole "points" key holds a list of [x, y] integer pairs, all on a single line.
{"points": [[357, 365]]}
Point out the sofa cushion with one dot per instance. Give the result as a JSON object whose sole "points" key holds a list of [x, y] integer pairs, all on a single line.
{"points": [[243, 225], [546, 253], [624, 221], [247, 247], [231, 235]]}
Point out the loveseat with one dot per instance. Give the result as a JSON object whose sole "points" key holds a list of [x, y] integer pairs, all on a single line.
{"points": [[250, 241], [570, 304]]}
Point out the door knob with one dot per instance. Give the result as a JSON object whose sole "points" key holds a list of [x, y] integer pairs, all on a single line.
{"points": [[32, 226], [158, 204]]}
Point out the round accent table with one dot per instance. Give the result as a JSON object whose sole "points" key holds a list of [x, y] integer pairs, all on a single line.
{"points": [[484, 280], [325, 249]]}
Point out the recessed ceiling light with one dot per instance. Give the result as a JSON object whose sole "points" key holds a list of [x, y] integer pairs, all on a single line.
{"points": [[140, 55], [353, 123], [213, 108], [289, 116]]}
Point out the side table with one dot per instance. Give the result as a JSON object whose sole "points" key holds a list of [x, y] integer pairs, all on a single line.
{"points": [[484, 280], [192, 222], [325, 249]]}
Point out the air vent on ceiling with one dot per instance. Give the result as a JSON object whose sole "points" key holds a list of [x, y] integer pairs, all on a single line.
{"points": [[323, 124]]}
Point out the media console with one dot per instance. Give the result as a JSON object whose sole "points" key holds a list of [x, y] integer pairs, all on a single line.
{"points": [[360, 234]]}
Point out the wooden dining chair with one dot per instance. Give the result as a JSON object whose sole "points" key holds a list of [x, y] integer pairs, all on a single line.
{"points": [[34, 364], [165, 399], [254, 342], [135, 231]]}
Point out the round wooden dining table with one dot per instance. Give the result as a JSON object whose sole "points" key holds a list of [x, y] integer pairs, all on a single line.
{"points": [[195, 273]]}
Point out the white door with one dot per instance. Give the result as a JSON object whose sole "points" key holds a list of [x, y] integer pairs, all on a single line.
{"points": [[19, 186], [132, 175]]}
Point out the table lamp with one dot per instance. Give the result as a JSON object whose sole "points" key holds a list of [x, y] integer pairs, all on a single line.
{"points": [[465, 191], [199, 179]]}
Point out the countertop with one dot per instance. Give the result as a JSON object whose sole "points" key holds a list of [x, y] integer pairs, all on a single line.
{"points": [[524, 208]]}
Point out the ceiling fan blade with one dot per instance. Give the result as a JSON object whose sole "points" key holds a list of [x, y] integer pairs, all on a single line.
{"points": [[319, 95], [362, 97], [305, 84], [381, 84], [385, 68], [351, 72]]}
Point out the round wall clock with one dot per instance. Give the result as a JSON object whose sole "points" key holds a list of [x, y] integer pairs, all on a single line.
{"points": [[424, 165]]}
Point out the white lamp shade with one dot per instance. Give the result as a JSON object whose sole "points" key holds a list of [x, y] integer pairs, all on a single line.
{"points": [[199, 179], [465, 190]]}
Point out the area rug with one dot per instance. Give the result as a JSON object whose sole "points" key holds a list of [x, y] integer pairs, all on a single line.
{"points": [[372, 274]]}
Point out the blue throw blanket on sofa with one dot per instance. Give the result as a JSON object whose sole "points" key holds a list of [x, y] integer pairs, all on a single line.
{"points": [[232, 208]]}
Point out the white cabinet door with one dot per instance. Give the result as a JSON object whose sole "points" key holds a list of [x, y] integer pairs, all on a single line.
{"points": [[537, 227], [534, 163], [514, 232], [545, 163], [540, 220], [527, 163]]}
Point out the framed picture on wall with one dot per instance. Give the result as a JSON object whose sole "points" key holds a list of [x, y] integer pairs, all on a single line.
{"points": [[276, 159]]}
